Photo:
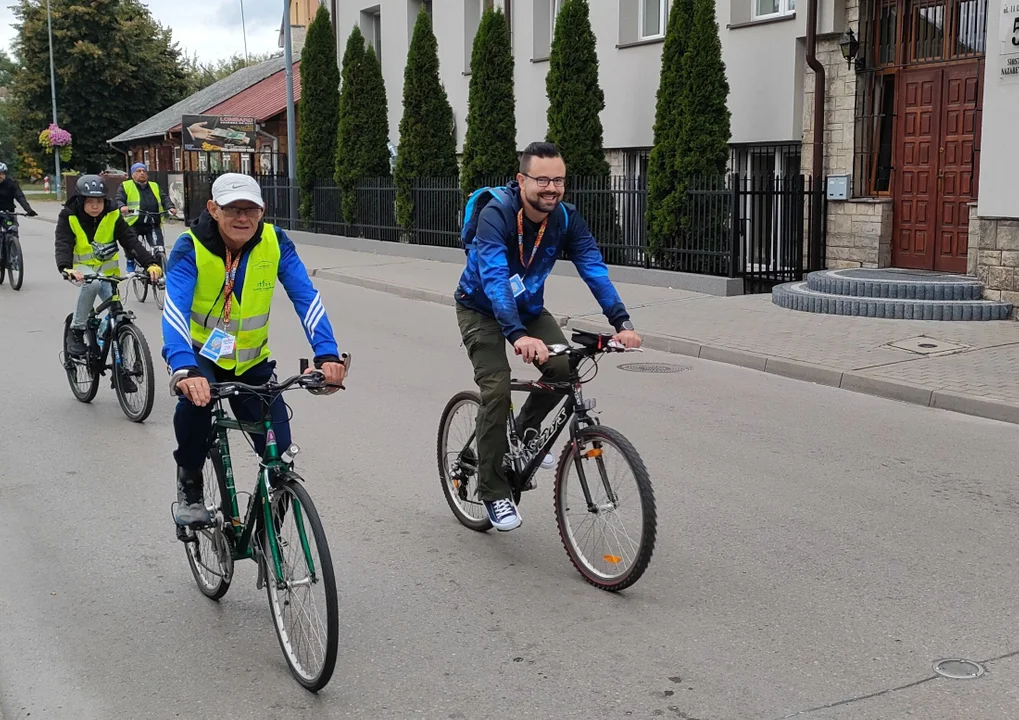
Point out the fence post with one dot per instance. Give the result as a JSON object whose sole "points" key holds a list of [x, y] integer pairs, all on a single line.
{"points": [[734, 240]]}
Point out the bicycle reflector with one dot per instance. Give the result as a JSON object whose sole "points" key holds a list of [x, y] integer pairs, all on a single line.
{"points": [[614, 559]]}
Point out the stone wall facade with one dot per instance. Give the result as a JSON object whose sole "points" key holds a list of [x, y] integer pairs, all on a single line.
{"points": [[859, 230], [994, 255]]}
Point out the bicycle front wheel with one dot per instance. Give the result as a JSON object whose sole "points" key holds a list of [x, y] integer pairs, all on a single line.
{"points": [[15, 262], [140, 289], [133, 375], [81, 374], [609, 531], [302, 596]]}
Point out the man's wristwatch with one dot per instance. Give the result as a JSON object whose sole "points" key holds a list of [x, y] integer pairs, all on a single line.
{"points": [[626, 325]]}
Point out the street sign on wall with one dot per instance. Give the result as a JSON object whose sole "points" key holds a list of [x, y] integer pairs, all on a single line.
{"points": [[218, 133]]}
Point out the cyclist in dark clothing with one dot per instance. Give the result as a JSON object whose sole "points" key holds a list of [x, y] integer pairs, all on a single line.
{"points": [[11, 191]]}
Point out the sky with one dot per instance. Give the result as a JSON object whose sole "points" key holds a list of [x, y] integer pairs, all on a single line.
{"points": [[210, 28]]}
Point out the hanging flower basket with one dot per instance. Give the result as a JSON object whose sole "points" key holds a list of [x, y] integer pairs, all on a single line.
{"points": [[55, 138]]}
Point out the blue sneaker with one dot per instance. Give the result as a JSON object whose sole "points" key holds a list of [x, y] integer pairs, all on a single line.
{"points": [[503, 514]]}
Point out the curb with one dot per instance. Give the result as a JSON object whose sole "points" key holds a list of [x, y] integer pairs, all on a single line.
{"points": [[793, 369]]}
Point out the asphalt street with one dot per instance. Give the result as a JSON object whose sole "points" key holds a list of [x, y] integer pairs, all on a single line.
{"points": [[817, 549]]}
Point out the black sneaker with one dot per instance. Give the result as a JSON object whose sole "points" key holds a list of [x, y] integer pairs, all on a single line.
{"points": [[76, 343], [127, 384]]}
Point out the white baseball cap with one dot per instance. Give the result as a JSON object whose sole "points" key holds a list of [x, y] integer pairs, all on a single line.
{"points": [[231, 187]]}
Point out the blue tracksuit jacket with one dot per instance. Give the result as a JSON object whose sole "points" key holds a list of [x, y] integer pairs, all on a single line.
{"points": [[182, 274], [494, 258]]}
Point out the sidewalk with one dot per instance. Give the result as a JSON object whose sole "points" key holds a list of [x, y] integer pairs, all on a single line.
{"points": [[973, 368]]}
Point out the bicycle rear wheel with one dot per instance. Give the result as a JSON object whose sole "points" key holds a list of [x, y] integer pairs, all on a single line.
{"points": [[81, 374], [302, 598], [3, 257], [458, 460], [610, 541], [208, 552], [135, 365], [15, 261]]}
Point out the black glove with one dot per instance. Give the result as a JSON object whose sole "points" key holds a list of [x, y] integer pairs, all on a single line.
{"points": [[31, 213]]}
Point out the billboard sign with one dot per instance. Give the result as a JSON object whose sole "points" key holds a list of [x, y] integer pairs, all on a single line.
{"points": [[218, 133]]}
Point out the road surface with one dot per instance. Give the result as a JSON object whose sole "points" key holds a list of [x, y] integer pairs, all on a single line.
{"points": [[817, 549]]}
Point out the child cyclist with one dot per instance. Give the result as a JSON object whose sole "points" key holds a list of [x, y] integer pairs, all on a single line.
{"points": [[89, 228]]}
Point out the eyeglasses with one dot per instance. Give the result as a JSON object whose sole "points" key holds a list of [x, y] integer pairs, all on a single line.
{"points": [[233, 212], [544, 181]]}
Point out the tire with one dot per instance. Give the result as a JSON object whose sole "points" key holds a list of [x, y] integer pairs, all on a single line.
{"points": [[136, 405], [3, 257], [81, 374], [159, 292], [597, 438], [470, 512], [212, 581], [140, 289], [15, 261], [289, 489]]}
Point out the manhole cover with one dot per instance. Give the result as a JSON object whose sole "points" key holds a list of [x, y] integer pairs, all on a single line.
{"points": [[653, 367], [924, 345], [958, 669]]}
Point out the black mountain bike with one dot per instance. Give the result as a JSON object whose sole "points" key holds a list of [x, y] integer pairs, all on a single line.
{"points": [[607, 524], [12, 260], [141, 282], [114, 343]]}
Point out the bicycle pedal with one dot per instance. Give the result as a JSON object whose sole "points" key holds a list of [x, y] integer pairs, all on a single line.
{"points": [[531, 485], [184, 537]]}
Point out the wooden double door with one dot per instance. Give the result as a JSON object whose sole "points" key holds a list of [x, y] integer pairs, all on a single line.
{"points": [[936, 165]]}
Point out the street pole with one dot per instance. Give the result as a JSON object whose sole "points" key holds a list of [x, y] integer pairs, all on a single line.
{"points": [[291, 133], [53, 93], [244, 32]]}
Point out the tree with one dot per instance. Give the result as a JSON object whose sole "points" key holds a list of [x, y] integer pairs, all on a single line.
{"points": [[427, 143], [319, 109], [362, 140], [7, 68], [202, 75], [490, 145], [705, 131], [9, 154], [115, 66], [666, 194], [575, 99]]}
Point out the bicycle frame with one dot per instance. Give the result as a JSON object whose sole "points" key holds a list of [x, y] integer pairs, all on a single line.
{"points": [[118, 316], [271, 465]]}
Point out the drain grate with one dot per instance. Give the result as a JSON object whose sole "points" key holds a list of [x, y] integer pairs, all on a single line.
{"points": [[958, 669], [659, 368]]}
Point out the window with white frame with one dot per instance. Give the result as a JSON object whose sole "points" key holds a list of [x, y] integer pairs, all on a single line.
{"points": [[652, 20], [764, 9], [371, 28]]}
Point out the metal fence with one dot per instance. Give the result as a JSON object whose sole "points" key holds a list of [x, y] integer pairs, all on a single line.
{"points": [[754, 227]]}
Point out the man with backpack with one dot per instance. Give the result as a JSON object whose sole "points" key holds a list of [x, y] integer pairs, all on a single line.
{"points": [[512, 236]]}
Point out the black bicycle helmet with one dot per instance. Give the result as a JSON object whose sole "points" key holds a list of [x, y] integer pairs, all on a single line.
{"points": [[90, 186]]}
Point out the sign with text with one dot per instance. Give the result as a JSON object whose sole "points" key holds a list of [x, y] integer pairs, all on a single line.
{"points": [[1009, 39], [218, 133]]}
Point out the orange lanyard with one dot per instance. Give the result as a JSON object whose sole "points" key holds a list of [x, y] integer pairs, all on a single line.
{"points": [[228, 286], [537, 240]]}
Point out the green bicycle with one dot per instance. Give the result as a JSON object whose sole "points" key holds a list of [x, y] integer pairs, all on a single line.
{"points": [[280, 530]]}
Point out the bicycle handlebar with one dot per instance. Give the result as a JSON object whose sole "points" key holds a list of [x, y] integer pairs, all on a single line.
{"points": [[311, 381], [590, 345], [112, 279]]}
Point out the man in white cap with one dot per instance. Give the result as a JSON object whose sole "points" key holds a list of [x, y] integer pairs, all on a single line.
{"points": [[220, 280]]}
